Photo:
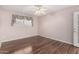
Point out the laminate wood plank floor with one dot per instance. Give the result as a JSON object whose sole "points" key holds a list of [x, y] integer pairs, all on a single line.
{"points": [[42, 45]]}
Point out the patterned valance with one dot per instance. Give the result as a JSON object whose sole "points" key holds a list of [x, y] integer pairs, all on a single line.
{"points": [[21, 17]]}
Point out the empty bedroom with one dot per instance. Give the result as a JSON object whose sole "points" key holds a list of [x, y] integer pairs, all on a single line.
{"points": [[39, 29]]}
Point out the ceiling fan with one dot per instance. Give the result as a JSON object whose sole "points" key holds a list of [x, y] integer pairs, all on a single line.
{"points": [[40, 10]]}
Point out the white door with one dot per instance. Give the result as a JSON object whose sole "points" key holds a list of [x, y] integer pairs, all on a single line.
{"points": [[76, 29]]}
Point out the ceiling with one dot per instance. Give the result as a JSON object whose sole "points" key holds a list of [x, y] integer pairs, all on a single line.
{"points": [[29, 9]]}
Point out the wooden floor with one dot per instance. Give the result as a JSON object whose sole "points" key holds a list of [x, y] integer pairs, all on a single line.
{"points": [[43, 45]]}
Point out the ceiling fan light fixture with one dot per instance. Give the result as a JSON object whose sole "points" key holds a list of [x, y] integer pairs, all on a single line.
{"points": [[40, 10]]}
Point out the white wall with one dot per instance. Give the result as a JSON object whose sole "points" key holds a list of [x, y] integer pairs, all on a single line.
{"points": [[8, 32], [58, 26]]}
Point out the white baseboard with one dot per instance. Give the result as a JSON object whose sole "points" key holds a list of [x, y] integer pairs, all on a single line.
{"points": [[58, 40], [16, 38], [49, 38]]}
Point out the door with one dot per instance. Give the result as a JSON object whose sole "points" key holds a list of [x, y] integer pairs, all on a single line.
{"points": [[76, 29]]}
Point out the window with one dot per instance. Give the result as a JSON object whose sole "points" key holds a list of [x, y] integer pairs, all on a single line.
{"points": [[22, 20]]}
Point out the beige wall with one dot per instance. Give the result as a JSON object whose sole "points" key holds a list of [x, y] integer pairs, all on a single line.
{"points": [[8, 32], [58, 26]]}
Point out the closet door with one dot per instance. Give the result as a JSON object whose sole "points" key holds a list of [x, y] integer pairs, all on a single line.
{"points": [[76, 29]]}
